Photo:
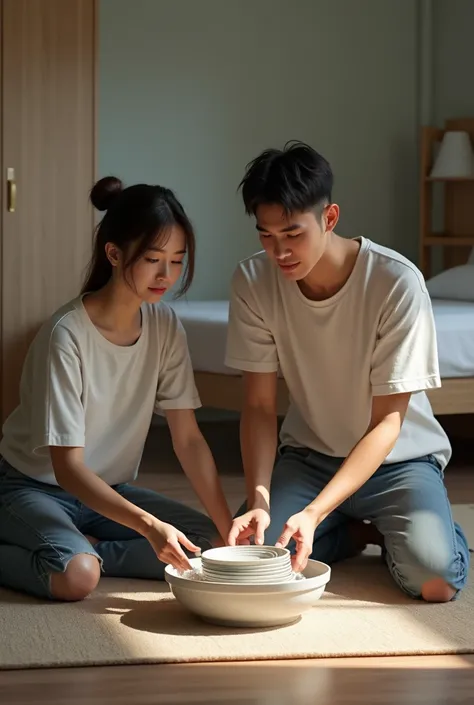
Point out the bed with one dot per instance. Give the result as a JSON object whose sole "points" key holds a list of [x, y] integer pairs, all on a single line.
{"points": [[206, 323]]}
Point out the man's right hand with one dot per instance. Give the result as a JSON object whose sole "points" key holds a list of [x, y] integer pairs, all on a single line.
{"points": [[253, 523]]}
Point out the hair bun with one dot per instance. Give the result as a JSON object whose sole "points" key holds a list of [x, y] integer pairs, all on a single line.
{"points": [[105, 192]]}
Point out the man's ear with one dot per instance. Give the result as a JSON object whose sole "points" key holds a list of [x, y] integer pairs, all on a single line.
{"points": [[331, 216]]}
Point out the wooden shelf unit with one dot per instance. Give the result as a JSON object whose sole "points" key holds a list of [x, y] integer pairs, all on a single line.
{"points": [[457, 236]]}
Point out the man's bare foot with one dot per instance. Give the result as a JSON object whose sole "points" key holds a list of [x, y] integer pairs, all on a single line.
{"points": [[92, 540]]}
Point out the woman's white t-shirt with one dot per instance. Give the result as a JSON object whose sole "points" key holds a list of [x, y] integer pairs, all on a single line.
{"points": [[79, 389]]}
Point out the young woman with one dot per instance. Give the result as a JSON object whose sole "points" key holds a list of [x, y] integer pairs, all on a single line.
{"points": [[93, 377]]}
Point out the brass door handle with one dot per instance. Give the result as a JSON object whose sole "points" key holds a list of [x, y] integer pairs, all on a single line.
{"points": [[11, 190]]}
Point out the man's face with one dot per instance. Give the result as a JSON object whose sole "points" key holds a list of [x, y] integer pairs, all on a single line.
{"points": [[295, 242]]}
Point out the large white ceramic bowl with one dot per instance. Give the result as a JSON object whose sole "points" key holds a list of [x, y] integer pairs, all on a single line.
{"points": [[251, 606]]}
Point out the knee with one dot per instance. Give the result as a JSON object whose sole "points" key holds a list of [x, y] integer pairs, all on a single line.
{"points": [[437, 590], [422, 584], [431, 570], [78, 580]]}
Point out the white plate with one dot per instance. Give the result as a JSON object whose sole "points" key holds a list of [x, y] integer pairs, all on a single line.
{"points": [[246, 578], [245, 555], [248, 570]]}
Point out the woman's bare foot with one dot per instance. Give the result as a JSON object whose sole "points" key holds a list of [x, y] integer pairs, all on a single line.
{"points": [[92, 540]]}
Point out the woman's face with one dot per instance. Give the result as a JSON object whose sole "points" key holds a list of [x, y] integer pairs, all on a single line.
{"points": [[158, 269]]}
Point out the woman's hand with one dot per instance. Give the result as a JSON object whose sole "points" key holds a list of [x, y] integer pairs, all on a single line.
{"points": [[252, 523], [300, 527], [167, 541]]}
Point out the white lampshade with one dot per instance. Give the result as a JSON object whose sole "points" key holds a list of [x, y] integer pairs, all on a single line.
{"points": [[455, 157]]}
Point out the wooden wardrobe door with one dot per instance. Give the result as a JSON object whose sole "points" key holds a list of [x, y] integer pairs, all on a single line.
{"points": [[48, 128]]}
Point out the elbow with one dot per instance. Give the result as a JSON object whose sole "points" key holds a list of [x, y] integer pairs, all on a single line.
{"points": [[389, 428], [256, 408], [66, 464], [59, 471], [260, 394], [258, 418], [64, 481], [63, 477], [66, 475], [189, 444]]}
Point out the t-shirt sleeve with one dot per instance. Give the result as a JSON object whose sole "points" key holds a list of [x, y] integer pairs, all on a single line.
{"points": [[176, 385], [56, 395], [250, 344], [405, 358]]}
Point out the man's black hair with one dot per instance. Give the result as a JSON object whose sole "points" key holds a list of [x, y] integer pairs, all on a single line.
{"points": [[297, 178]]}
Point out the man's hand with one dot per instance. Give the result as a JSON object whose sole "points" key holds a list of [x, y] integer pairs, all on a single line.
{"points": [[252, 523], [301, 528]]}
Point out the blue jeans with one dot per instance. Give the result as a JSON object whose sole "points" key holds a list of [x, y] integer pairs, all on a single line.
{"points": [[407, 502], [42, 527]]}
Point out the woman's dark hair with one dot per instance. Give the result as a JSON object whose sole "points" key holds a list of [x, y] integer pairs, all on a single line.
{"points": [[138, 214], [296, 178]]}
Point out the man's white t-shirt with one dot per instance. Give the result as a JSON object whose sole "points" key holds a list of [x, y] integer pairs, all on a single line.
{"points": [[375, 336], [79, 389]]}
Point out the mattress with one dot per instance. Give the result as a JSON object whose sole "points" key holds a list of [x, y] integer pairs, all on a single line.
{"points": [[454, 322], [205, 323]]}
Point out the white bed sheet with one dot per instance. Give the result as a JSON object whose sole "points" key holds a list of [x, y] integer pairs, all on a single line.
{"points": [[454, 322], [205, 323]]}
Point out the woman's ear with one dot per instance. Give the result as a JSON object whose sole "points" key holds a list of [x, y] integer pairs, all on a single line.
{"points": [[113, 254]]}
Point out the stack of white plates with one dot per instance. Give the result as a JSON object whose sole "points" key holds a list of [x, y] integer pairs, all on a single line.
{"points": [[250, 565]]}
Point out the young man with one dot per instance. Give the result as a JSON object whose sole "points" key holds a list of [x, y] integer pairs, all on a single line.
{"points": [[349, 324]]}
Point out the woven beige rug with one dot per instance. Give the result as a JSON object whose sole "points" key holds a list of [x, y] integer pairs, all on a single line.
{"points": [[127, 622]]}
